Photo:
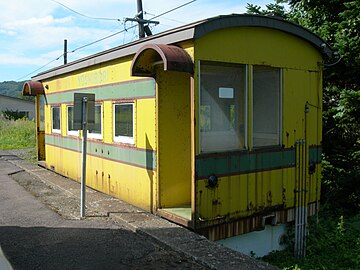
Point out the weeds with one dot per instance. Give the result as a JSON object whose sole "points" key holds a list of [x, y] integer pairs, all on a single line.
{"points": [[17, 134], [334, 243]]}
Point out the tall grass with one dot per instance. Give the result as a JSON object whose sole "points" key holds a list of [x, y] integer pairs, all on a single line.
{"points": [[17, 134], [333, 244]]}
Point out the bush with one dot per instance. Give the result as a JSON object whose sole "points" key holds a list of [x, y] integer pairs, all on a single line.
{"points": [[13, 115]]}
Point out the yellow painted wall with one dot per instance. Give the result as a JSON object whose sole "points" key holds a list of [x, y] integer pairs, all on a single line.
{"points": [[111, 72], [123, 181], [173, 135], [299, 87], [257, 46], [130, 183], [242, 195]]}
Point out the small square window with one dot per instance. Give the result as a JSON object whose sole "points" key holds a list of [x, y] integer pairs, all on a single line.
{"points": [[70, 122], [124, 123], [96, 132], [56, 128]]}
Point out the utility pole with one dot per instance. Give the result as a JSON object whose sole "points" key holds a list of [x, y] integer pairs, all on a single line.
{"points": [[140, 15], [65, 51], [144, 28]]}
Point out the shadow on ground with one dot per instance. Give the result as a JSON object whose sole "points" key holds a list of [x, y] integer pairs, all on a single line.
{"points": [[85, 248]]}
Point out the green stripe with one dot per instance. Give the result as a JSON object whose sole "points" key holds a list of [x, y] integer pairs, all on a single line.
{"points": [[236, 163], [243, 162], [64, 142], [128, 90], [315, 154], [143, 158]]}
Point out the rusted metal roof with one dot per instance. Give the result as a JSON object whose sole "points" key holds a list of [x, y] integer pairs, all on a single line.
{"points": [[189, 32], [33, 88], [173, 58]]}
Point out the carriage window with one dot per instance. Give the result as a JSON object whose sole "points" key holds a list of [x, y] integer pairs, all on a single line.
{"points": [[70, 122], [124, 123], [56, 120], [266, 106], [222, 107], [96, 132]]}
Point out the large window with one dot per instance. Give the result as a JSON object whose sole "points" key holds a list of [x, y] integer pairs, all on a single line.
{"points": [[56, 128], [70, 122], [96, 131], [222, 107], [124, 123], [266, 106]]}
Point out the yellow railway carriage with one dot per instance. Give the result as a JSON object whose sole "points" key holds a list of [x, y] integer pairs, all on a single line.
{"points": [[215, 125]]}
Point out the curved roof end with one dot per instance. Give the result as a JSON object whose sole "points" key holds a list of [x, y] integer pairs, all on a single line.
{"points": [[172, 57], [33, 88]]}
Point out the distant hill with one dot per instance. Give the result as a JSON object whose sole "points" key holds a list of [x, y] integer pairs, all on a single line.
{"points": [[11, 88]]}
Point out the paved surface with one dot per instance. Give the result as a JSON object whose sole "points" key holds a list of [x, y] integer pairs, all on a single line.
{"points": [[40, 229]]}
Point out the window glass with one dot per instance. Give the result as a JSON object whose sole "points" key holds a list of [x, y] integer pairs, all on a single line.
{"points": [[124, 122], [70, 121], [56, 119], [96, 131], [222, 107], [266, 106]]}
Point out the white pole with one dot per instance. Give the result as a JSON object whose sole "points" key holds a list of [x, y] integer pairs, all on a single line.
{"points": [[83, 171]]}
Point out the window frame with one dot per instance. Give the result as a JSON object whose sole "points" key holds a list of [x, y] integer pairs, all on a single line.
{"points": [[70, 132], [124, 139], [55, 130], [93, 135]]}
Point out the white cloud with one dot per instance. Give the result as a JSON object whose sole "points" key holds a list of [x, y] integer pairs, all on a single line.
{"points": [[36, 22], [6, 59], [7, 32], [32, 32]]}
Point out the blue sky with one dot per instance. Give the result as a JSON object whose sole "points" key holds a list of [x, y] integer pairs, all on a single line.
{"points": [[32, 32]]}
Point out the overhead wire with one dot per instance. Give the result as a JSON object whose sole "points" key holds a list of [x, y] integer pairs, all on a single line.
{"points": [[101, 39], [171, 10], [177, 21], [40, 68], [83, 15]]}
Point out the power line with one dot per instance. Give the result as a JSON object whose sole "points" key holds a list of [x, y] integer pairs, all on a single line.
{"points": [[83, 15], [148, 13], [171, 10], [40, 68], [101, 39]]}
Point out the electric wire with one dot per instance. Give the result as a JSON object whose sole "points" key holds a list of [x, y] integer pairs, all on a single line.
{"points": [[40, 68], [119, 32], [101, 39], [171, 10], [148, 13], [83, 15]]}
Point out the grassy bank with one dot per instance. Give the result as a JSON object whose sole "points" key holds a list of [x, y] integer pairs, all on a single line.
{"points": [[17, 134]]}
